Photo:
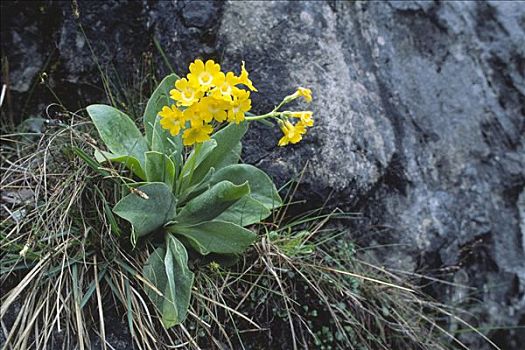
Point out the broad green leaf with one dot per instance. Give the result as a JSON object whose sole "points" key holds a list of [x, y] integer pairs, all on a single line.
{"points": [[262, 187], [118, 132], [167, 270], [147, 208], [227, 139], [215, 237], [159, 99], [196, 189], [212, 202], [197, 155], [196, 158], [129, 162], [159, 168], [232, 157], [163, 142], [176, 158], [246, 211]]}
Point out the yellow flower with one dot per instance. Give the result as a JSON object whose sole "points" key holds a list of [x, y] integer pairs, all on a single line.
{"points": [[240, 105], [184, 93], [211, 108], [199, 132], [172, 119], [192, 113], [305, 117], [204, 76], [301, 92], [292, 133], [225, 87], [243, 78], [306, 93]]}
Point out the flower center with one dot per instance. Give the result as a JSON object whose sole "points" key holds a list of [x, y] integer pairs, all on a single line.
{"points": [[205, 78], [188, 95], [226, 89]]}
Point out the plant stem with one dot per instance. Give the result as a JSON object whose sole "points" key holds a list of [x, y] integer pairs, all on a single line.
{"points": [[271, 114]]}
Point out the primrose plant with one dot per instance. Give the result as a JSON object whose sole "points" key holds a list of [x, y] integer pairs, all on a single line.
{"points": [[187, 189]]}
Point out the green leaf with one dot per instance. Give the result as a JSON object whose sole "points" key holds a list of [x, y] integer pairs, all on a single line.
{"points": [[118, 131], [212, 202], [108, 213], [197, 155], [196, 158], [215, 237], [196, 189], [232, 157], [228, 140], [163, 142], [159, 99], [167, 271], [158, 138], [159, 168], [246, 211], [147, 208], [89, 161], [262, 188], [297, 245], [129, 162]]}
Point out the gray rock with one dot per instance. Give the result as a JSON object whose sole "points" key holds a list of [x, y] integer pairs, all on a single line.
{"points": [[521, 211], [419, 112], [353, 140]]}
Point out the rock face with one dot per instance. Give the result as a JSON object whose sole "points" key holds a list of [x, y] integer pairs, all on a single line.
{"points": [[420, 112]]}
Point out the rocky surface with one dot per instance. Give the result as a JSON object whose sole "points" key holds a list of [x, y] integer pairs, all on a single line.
{"points": [[419, 105]]}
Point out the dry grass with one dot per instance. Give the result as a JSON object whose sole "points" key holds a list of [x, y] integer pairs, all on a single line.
{"points": [[67, 261]]}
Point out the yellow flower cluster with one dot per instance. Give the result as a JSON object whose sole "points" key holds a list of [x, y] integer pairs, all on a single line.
{"points": [[294, 133], [205, 95]]}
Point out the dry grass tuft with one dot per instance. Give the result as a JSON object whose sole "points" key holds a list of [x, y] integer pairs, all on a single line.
{"points": [[67, 261]]}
